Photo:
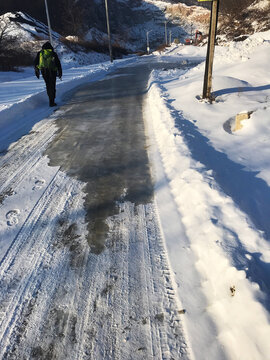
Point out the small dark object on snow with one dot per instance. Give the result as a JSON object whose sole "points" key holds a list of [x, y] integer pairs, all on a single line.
{"points": [[49, 64], [232, 288]]}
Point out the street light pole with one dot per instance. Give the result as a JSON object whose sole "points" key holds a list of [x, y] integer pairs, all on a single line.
{"points": [[48, 21], [108, 29], [207, 86], [166, 40], [170, 37], [147, 39]]}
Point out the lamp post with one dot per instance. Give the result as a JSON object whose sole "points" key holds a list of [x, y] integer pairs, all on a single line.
{"points": [[170, 37], [108, 29], [207, 86], [147, 40], [48, 21], [166, 40]]}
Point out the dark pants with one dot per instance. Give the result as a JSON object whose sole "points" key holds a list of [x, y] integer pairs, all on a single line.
{"points": [[50, 81]]}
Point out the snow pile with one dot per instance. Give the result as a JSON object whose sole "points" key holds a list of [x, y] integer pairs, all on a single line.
{"points": [[240, 83], [212, 192], [260, 5], [25, 28]]}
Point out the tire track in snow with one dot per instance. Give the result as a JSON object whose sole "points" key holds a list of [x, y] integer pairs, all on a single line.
{"points": [[22, 265], [23, 156], [60, 301], [130, 313], [23, 268]]}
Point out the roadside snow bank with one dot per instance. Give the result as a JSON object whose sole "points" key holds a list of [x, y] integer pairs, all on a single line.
{"points": [[221, 261], [241, 81], [240, 160]]}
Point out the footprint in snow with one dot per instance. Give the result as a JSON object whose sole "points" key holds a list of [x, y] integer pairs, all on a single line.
{"points": [[12, 217], [39, 184]]}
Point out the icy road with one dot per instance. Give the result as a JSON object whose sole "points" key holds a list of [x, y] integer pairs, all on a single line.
{"points": [[84, 271]]}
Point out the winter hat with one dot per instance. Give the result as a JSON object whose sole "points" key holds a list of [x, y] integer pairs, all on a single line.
{"points": [[47, 45]]}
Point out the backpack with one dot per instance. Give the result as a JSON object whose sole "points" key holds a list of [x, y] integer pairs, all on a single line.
{"points": [[47, 60]]}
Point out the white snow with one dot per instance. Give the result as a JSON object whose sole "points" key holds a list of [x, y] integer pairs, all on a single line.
{"points": [[211, 185], [260, 4], [206, 178]]}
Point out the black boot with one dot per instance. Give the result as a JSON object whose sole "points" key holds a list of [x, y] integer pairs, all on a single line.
{"points": [[52, 103]]}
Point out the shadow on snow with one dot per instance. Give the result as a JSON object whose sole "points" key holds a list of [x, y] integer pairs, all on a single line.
{"points": [[250, 193]]}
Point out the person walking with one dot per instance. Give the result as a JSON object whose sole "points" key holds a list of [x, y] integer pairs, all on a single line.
{"points": [[49, 64]]}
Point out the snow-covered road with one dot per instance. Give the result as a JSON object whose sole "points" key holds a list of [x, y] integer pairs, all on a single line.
{"points": [[77, 289]]}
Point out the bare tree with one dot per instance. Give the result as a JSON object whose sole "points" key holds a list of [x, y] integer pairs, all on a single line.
{"points": [[232, 8], [4, 32], [73, 17]]}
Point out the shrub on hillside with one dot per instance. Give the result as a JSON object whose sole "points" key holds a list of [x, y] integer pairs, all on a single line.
{"points": [[78, 44], [232, 9], [12, 59], [161, 47]]}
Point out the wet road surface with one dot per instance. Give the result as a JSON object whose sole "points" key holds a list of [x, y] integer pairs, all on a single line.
{"points": [[61, 299], [102, 142]]}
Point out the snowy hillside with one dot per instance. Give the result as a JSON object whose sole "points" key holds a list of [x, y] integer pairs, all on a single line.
{"points": [[137, 18], [182, 21], [26, 27], [28, 35], [253, 18]]}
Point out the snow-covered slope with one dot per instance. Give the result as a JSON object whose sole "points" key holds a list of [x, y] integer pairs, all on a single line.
{"points": [[130, 20], [29, 34], [254, 18], [22, 25], [181, 20]]}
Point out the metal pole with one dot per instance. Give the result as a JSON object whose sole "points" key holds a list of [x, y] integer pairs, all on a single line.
{"points": [[207, 86], [166, 40], [147, 39], [48, 21], [170, 37], [108, 29]]}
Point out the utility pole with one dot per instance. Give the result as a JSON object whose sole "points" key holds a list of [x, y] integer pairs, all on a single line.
{"points": [[48, 21], [208, 75], [108, 29], [147, 40], [170, 37], [166, 40]]}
